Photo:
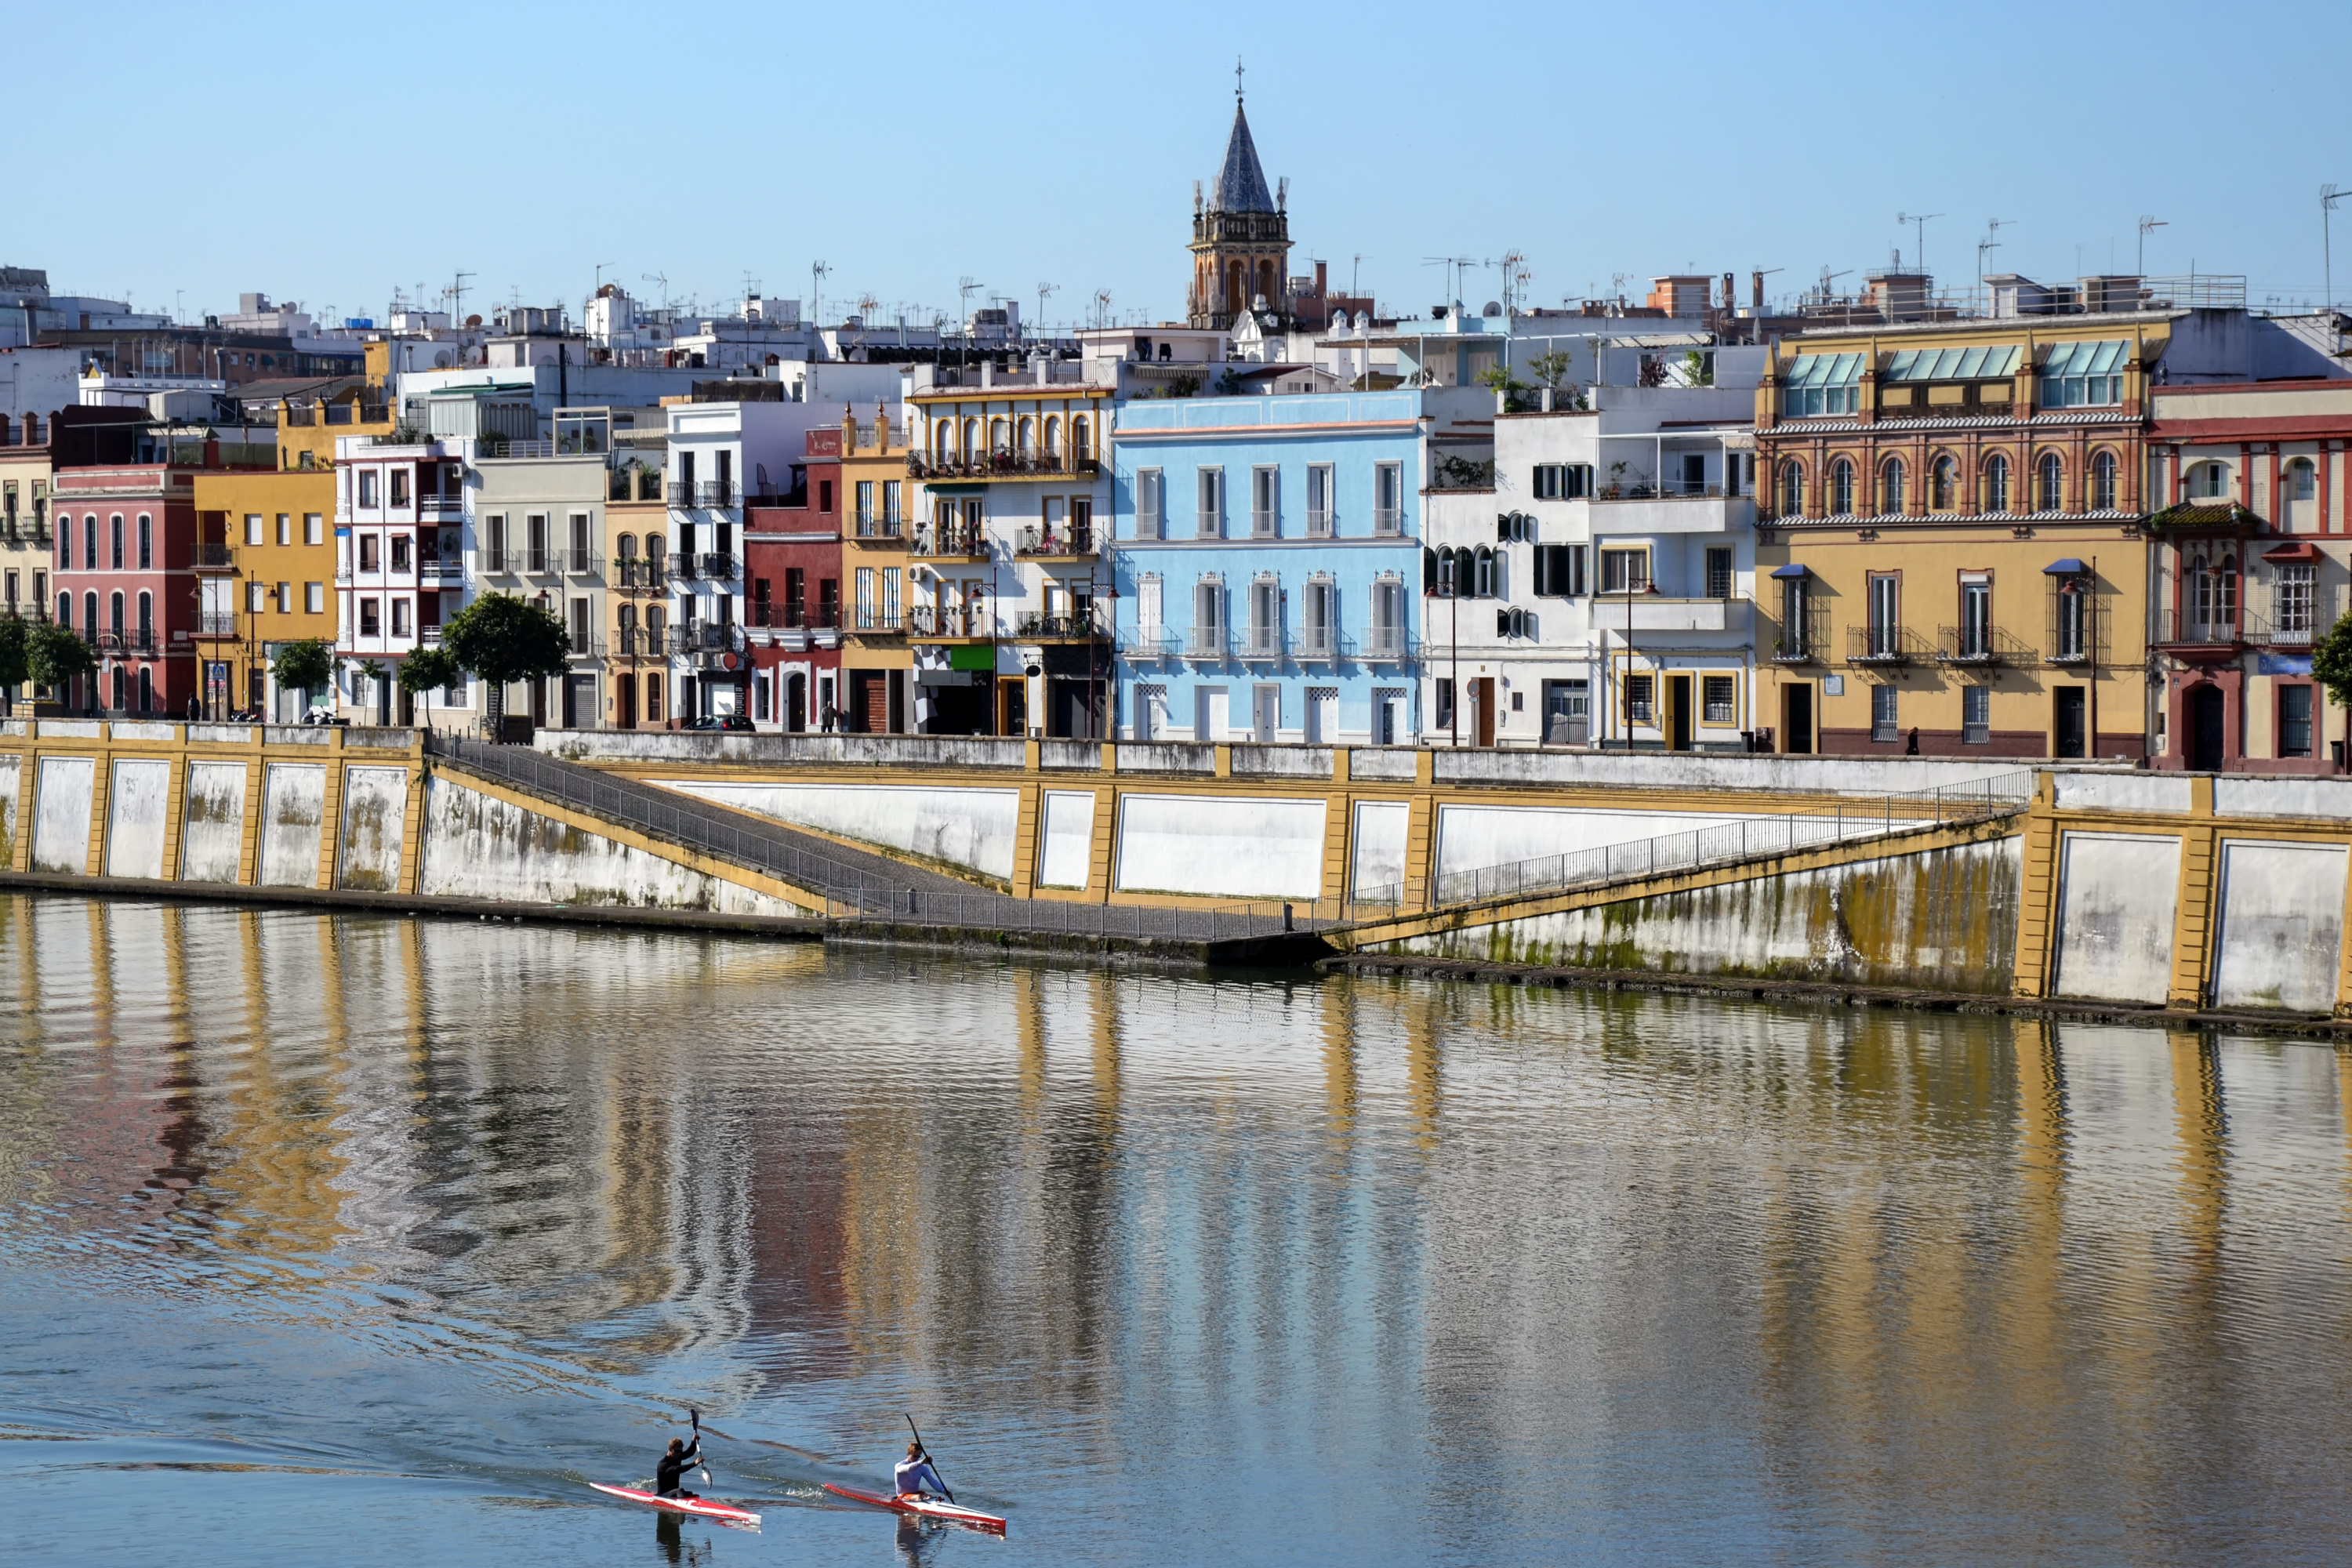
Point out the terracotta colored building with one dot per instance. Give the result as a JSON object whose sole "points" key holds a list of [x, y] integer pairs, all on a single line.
{"points": [[791, 555]]}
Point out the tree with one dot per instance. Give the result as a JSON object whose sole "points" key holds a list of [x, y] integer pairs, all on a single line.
{"points": [[373, 668], [306, 665], [1548, 368], [503, 638], [2331, 661], [55, 656], [425, 669], [16, 650]]}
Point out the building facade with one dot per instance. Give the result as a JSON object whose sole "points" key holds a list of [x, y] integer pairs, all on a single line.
{"points": [[264, 565], [401, 546], [792, 552], [876, 665]]}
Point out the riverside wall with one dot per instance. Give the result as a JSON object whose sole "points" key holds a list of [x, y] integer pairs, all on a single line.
{"points": [[2114, 886]]}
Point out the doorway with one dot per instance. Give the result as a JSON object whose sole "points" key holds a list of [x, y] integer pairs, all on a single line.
{"points": [[1678, 712], [869, 701], [797, 703], [2067, 730], [2207, 729], [1482, 699], [1013, 706], [1797, 721], [1568, 712], [625, 691], [1322, 715], [1266, 713], [1211, 714]]}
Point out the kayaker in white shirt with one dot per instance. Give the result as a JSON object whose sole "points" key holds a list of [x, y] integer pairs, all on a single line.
{"points": [[914, 1475]]}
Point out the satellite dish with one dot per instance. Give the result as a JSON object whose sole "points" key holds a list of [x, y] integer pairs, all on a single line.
{"points": [[1494, 308]]}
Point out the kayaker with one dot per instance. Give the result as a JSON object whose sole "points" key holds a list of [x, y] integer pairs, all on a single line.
{"points": [[682, 1457], [914, 1475]]}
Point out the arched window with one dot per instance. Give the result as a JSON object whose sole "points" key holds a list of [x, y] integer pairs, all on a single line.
{"points": [[1485, 588], [1940, 484], [2301, 480], [146, 688], [970, 439], [90, 627], [2050, 483], [114, 613], [146, 614], [626, 547], [2208, 482], [1028, 436], [1792, 489], [2103, 482], [1841, 488], [1053, 435], [999, 437], [1996, 483], [1445, 572], [1890, 485], [943, 439], [65, 610], [1081, 439]]}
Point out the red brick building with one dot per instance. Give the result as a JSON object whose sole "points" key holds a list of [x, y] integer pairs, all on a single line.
{"points": [[792, 566]]}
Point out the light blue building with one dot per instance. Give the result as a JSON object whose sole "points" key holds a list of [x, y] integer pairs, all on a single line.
{"points": [[1269, 561]]}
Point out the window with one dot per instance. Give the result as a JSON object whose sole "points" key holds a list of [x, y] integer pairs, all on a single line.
{"points": [[89, 542], [1718, 572], [1211, 502], [1388, 629], [1560, 570], [1624, 571], [1563, 481], [1719, 700], [399, 615], [114, 538], [1640, 704], [400, 487], [2069, 617], [2302, 479], [367, 489], [1822, 384], [1265, 634], [371, 623], [890, 580], [494, 529], [1319, 633], [1886, 616], [1148, 504], [1443, 692], [1793, 488], [864, 514], [1209, 617], [1976, 715], [1081, 440], [1388, 499], [1890, 485], [1941, 475], [1996, 483], [368, 553], [314, 528], [2049, 482], [535, 541], [1841, 489], [2103, 482], [314, 598], [2295, 721], [891, 515], [1318, 500], [1147, 609], [1266, 502], [865, 621], [1483, 574], [2083, 375], [286, 598], [2208, 482], [1883, 725], [1976, 618], [400, 553], [257, 598], [2294, 600]]}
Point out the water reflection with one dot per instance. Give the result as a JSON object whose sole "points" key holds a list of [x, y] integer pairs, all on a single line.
{"points": [[1393, 1272]]}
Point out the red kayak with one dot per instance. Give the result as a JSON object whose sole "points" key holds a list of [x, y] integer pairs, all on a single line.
{"points": [[700, 1507], [924, 1508]]}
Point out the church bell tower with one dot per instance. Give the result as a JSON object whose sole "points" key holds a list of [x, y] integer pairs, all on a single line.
{"points": [[1241, 238]]}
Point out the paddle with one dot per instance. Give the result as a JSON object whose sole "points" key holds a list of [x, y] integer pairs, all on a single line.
{"points": [[927, 1455], [696, 1417]]}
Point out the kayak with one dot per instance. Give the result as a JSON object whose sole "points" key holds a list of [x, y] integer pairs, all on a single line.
{"points": [[923, 1507], [700, 1507]]}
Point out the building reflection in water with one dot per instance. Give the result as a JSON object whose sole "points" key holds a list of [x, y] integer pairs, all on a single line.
{"points": [[1507, 1237]]}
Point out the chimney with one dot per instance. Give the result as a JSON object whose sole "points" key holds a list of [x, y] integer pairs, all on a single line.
{"points": [[1322, 270], [1756, 290], [1730, 298]]}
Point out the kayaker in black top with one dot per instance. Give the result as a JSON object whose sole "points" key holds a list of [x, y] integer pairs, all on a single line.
{"points": [[681, 1457]]}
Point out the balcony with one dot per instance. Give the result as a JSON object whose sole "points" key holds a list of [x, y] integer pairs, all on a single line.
{"points": [[1321, 644], [1884, 644], [1003, 465], [1665, 613], [1079, 626], [1205, 643], [590, 645], [1262, 643], [1388, 522], [1387, 644], [711, 495], [717, 566], [957, 543], [441, 509], [1075, 541], [636, 572], [1150, 644], [434, 572], [929, 623], [495, 562], [794, 615], [216, 622], [1318, 522], [580, 563], [1640, 509], [874, 623], [204, 557], [1983, 645], [887, 531], [33, 529], [706, 638], [137, 643]]}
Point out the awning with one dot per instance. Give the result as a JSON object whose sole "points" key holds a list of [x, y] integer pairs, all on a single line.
{"points": [[2293, 550], [2070, 566], [2097, 358], [1981, 363], [1792, 570], [1824, 370]]}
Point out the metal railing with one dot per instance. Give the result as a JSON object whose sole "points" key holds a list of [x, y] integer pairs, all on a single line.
{"points": [[719, 566], [590, 646], [933, 621], [1082, 627], [1074, 539], [1261, 642], [1882, 643], [716, 495], [206, 557], [793, 614], [1387, 644], [704, 638], [1388, 520], [1084, 918], [1000, 465], [216, 622], [637, 572], [1320, 644], [1832, 823], [1806, 641], [960, 542], [869, 526], [1983, 645]]}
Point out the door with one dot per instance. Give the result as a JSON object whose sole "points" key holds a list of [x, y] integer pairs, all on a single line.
{"points": [[1797, 719], [625, 691], [1012, 705], [2067, 724], [570, 705], [1322, 716], [1678, 712], [1211, 714], [1482, 692], [1266, 713], [1150, 712], [869, 701], [2206, 733], [797, 703], [1568, 712]]}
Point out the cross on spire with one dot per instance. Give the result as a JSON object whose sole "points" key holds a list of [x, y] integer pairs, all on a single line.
{"points": [[1237, 79]]}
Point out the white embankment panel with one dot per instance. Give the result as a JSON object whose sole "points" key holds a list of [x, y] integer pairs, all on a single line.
{"points": [[1377, 861], [136, 803], [375, 800], [212, 827], [2282, 927], [1068, 835], [1215, 847], [978, 828], [293, 808], [2118, 895], [12, 781], [1473, 837], [61, 814]]}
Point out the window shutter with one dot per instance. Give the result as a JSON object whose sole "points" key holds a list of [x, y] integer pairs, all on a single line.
{"points": [[1502, 623], [1428, 570]]}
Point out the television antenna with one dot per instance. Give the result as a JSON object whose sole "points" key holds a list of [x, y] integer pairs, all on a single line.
{"points": [[1453, 266], [1102, 307], [1993, 226], [662, 280], [1037, 328], [965, 289], [1919, 254], [818, 272], [2146, 221], [2329, 195]]}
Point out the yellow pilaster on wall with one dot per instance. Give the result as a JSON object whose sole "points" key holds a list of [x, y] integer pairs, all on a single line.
{"points": [[1420, 846], [1025, 838], [2037, 914], [249, 848], [1098, 853], [330, 814], [412, 825], [1338, 818], [28, 781], [101, 786], [176, 802], [2193, 926]]}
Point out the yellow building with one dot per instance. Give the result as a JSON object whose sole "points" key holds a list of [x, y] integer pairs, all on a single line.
{"points": [[636, 601], [1950, 518], [25, 540], [307, 427], [877, 668], [264, 565]]}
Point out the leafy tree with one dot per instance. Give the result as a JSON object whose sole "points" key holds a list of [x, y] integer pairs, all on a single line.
{"points": [[1548, 368], [306, 665], [503, 638], [2331, 661], [16, 660], [55, 655], [428, 669], [1498, 378]]}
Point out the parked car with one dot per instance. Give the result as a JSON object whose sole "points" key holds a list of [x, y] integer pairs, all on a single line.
{"points": [[325, 715]]}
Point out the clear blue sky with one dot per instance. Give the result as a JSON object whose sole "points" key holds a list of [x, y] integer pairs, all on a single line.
{"points": [[329, 154]]}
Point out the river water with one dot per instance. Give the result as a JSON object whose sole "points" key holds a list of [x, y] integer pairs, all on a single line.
{"points": [[328, 1238]]}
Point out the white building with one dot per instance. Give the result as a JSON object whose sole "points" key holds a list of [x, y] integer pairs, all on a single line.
{"points": [[400, 513], [1597, 588]]}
